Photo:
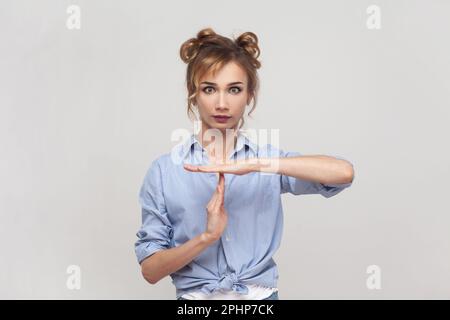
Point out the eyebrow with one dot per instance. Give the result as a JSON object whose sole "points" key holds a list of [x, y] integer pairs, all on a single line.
{"points": [[215, 84]]}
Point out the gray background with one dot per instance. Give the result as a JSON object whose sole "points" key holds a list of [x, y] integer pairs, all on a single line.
{"points": [[84, 112]]}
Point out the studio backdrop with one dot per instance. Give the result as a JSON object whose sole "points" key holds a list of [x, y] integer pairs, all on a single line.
{"points": [[91, 92]]}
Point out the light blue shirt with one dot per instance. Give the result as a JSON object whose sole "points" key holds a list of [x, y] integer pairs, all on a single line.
{"points": [[174, 201]]}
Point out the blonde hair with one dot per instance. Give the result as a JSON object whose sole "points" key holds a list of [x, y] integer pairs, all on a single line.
{"points": [[209, 52]]}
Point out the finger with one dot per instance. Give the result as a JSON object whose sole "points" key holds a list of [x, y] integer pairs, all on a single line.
{"points": [[201, 168], [209, 169], [222, 189], [215, 196], [222, 180], [190, 167], [223, 186], [213, 200]]}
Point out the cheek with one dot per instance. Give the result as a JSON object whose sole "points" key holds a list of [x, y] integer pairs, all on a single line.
{"points": [[202, 107], [244, 96], [205, 100], [239, 102]]}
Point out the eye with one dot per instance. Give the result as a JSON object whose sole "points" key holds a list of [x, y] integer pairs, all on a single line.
{"points": [[237, 91], [208, 89], [205, 89]]}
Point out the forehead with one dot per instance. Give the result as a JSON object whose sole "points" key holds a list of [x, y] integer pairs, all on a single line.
{"points": [[230, 72]]}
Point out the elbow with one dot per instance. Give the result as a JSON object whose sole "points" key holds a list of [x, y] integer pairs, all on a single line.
{"points": [[148, 273], [346, 170], [151, 280], [349, 173], [149, 277], [151, 268]]}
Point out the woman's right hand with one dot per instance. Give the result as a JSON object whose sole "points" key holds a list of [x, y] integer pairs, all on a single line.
{"points": [[217, 216]]}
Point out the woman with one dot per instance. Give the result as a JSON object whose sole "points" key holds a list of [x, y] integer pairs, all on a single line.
{"points": [[213, 221]]}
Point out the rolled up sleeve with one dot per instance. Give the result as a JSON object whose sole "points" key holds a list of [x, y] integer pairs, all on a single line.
{"points": [[299, 186], [156, 231]]}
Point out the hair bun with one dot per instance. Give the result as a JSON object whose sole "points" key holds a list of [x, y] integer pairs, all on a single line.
{"points": [[248, 41], [189, 50], [191, 47], [204, 34]]}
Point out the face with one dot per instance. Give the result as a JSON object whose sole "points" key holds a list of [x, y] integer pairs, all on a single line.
{"points": [[224, 95]]}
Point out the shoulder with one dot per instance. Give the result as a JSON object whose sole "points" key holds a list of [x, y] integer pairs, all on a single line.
{"points": [[156, 166], [161, 162]]}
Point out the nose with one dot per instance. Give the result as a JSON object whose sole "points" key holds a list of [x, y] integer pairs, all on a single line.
{"points": [[222, 103]]}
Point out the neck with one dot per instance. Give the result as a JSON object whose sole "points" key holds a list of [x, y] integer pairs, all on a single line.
{"points": [[218, 146]]}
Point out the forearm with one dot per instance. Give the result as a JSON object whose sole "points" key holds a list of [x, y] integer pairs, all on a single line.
{"points": [[317, 168], [165, 262]]}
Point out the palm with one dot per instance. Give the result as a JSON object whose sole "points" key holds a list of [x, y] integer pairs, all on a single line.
{"points": [[238, 168]]}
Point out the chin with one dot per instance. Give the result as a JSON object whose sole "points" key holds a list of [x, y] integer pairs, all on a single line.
{"points": [[224, 126]]}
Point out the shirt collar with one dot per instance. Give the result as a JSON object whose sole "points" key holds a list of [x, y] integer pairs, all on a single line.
{"points": [[192, 142]]}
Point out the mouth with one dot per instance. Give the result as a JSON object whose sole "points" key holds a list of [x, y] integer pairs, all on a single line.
{"points": [[221, 119]]}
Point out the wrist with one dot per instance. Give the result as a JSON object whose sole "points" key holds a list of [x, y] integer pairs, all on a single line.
{"points": [[207, 238]]}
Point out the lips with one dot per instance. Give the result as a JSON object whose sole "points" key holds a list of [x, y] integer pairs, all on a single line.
{"points": [[221, 118]]}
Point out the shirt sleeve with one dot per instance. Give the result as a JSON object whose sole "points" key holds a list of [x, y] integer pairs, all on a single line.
{"points": [[156, 231], [299, 186]]}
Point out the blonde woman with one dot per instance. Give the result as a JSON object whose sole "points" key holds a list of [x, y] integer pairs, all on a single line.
{"points": [[213, 221]]}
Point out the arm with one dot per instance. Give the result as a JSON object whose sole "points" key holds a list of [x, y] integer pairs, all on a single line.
{"points": [[316, 168], [165, 262]]}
